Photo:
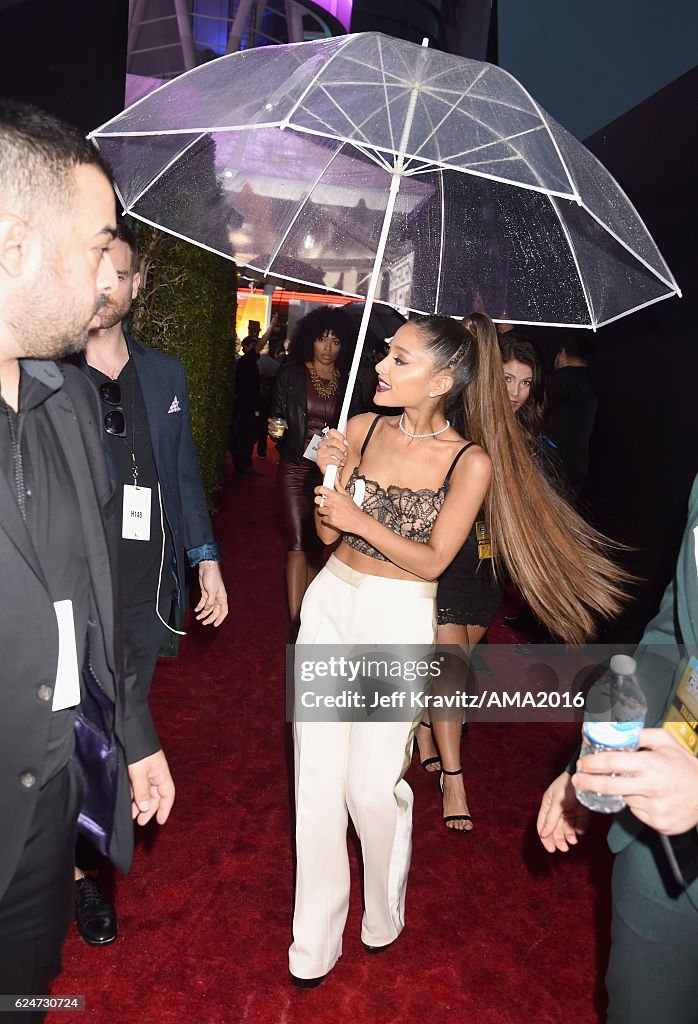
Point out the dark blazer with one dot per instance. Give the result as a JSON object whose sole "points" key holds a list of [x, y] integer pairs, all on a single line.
{"points": [[290, 402], [660, 659], [164, 386], [29, 634], [572, 410]]}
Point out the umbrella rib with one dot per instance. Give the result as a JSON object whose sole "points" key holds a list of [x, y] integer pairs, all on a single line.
{"points": [[543, 323], [351, 59], [441, 93], [344, 114], [442, 246], [300, 209], [186, 238], [312, 82], [385, 94], [671, 281], [357, 127], [563, 162], [436, 165], [370, 150], [643, 305], [448, 113], [609, 230], [326, 124], [164, 170], [570, 246], [118, 194], [215, 129], [497, 160], [498, 142], [373, 155], [359, 83], [428, 84]]}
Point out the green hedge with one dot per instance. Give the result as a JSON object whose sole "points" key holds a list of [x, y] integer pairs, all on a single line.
{"points": [[186, 307]]}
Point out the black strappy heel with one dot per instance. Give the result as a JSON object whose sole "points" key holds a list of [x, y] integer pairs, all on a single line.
{"points": [[427, 760], [454, 817]]}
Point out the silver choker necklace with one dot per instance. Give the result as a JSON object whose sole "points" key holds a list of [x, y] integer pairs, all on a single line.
{"points": [[433, 433]]}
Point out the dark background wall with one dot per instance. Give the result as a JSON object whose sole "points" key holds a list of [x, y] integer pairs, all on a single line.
{"points": [[588, 63], [67, 56]]}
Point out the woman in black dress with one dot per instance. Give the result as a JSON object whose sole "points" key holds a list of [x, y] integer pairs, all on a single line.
{"points": [[308, 396], [469, 593]]}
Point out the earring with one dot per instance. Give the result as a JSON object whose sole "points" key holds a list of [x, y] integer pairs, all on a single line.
{"points": [[431, 394]]}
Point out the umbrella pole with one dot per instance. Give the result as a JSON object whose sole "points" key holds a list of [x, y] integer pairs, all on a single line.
{"points": [[331, 472], [395, 182]]}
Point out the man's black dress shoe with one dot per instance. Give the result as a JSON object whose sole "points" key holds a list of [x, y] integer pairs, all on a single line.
{"points": [[96, 918]]}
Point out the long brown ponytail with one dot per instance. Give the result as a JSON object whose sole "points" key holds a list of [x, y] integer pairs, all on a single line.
{"points": [[559, 563]]}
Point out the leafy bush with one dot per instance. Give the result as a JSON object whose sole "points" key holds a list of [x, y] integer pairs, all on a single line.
{"points": [[186, 307]]}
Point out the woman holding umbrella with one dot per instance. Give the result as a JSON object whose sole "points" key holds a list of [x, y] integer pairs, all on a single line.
{"points": [[423, 485]]}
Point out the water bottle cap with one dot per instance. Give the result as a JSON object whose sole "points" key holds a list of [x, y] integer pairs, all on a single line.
{"points": [[623, 665]]}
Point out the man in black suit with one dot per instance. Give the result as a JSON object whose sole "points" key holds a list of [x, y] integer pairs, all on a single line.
{"points": [[57, 544], [572, 410], [152, 460]]}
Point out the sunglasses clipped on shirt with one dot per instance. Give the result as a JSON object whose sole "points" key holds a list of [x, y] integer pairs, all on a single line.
{"points": [[114, 420]]}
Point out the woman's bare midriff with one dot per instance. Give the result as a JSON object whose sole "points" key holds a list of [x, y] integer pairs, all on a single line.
{"points": [[373, 566]]}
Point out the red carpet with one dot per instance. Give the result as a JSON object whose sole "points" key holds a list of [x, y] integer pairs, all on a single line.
{"points": [[497, 931]]}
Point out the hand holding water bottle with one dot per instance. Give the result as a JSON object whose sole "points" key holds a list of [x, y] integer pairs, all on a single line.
{"points": [[659, 783], [613, 721]]}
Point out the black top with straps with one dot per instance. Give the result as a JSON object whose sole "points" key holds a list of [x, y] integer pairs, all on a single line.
{"points": [[411, 514]]}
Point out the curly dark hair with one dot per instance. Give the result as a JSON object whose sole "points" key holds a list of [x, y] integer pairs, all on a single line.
{"points": [[533, 412], [318, 322]]}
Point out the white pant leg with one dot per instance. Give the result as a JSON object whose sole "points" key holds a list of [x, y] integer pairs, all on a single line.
{"points": [[380, 804], [322, 860], [379, 799]]}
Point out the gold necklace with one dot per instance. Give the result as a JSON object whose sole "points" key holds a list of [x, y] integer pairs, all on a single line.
{"points": [[324, 388]]}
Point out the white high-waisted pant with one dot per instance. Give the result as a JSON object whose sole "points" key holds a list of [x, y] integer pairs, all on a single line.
{"points": [[354, 767]]}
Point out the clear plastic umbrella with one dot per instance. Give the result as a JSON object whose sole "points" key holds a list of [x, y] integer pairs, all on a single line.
{"points": [[383, 170]]}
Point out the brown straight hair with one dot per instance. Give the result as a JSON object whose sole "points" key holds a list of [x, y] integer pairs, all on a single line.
{"points": [[532, 413], [556, 559]]}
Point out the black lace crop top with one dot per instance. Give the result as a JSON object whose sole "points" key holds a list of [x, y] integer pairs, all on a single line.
{"points": [[411, 514]]}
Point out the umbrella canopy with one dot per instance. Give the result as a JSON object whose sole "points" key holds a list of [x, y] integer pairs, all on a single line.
{"points": [[380, 169]]}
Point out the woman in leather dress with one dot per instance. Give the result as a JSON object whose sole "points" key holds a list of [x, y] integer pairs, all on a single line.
{"points": [[308, 395], [408, 490]]}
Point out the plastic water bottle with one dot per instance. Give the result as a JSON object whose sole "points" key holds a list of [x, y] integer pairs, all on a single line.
{"points": [[614, 717]]}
